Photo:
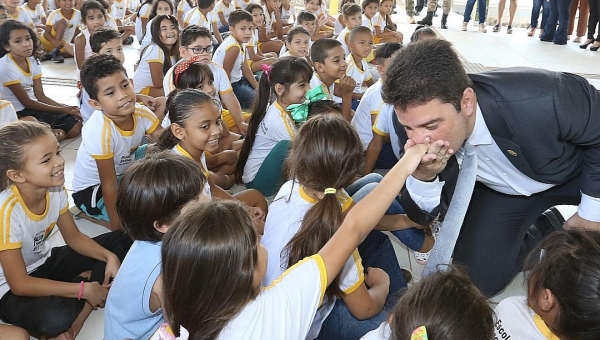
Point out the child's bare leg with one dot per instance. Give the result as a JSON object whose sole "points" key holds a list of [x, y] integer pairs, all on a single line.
{"points": [[75, 131], [271, 46], [227, 138], [59, 30], [222, 180], [13, 333], [224, 162], [252, 198], [428, 243]]}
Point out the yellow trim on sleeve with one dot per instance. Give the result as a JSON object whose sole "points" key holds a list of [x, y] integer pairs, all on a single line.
{"points": [[11, 246], [379, 132], [12, 82], [103, 157], [144, 112], [39, 76], [4, 103], [229, 90], [322, 271], [360, 270], [5, 214], [106, 137]]}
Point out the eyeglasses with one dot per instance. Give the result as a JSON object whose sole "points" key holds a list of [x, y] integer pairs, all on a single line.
{"points": [[200, 50]]}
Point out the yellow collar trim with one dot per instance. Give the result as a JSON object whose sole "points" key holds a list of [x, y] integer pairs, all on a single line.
{"points": [[341, 195]]}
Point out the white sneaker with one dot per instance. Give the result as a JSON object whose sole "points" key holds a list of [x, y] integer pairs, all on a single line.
{"points": [[422, 258], [411, 20]]}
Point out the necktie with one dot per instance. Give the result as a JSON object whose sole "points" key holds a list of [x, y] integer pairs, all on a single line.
{"points": [[444, 244]]}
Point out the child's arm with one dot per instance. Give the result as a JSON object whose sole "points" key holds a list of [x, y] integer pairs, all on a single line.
{"points": [[262, 34], [108, 180], [222, 19], [229, 60], [369, 81], [357, 96], [231, 103], [42, 99], [367, 213], [247, 73], [217, 34], [156, 73], [277, 27], [345, 89], [85, 246], [365, 302], [373, 151], [254, 55], [56, 43], [79, 50], [22, 284]]}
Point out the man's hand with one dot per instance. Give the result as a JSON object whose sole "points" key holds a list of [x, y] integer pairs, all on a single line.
{"points": [[577, 222], [437, 156]]}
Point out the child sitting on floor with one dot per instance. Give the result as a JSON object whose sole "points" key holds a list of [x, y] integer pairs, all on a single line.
{"points": [[61, 27]]}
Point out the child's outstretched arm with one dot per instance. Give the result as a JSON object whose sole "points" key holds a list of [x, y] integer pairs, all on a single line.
{"points": [[367, 213], [80, 50], [108, 180]]}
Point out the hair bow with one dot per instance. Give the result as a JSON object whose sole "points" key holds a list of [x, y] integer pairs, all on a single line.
{"points": [[300, 111], [267, 71], [184, 65], [419, 334]]}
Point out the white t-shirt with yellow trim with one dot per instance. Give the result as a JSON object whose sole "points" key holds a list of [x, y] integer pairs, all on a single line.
{"points": [[370, 104], [226, 10], [7, 113], [343, 38], [378, 20], [287, 14], [368, 23], [102, 139], [72, 23], [383, 332], [515, 320], [147, 38], [13, 74], [360, 76], [316, 81], [178, 149], [119, 9], [277, 125], [384, 125], [36, 14], [144, 12], [241, 4], [269, 20], [283, 222], [184, 7], [22, 16], [22, 229], [221, 81], [197, 18], [219, 57], [142, 77], [285, 310]]}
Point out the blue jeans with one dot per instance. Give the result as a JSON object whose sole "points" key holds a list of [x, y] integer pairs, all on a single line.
{"points": [[559, 14], [244, 92], [413, 238], [535, 13], [377, 252], [469, 10]]}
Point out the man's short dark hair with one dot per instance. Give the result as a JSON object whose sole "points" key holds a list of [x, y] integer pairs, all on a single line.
{"points": [[385, 51], [320, 49], [102, 36], [424, 71], [97, 67], [238, 16]]}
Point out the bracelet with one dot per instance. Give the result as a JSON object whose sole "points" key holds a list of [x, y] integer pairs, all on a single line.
{"points": [[80, 290]]}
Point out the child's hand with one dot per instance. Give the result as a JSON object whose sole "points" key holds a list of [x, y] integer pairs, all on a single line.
{"points": [[112, 266], [432, 162], [259, 225], [376, 277], [256, 212], [74, 110], [347, 84], [95, 294]]}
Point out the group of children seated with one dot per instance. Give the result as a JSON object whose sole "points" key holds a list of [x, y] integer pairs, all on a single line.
{"points": [[223, 96]]}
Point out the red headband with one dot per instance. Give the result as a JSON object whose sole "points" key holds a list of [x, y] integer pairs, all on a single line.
{"points": [[183, 66]]}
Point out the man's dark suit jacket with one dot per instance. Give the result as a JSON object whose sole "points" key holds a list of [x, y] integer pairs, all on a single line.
{"points": [[546, 123]]}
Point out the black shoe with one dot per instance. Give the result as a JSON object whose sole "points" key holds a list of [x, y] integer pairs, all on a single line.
{"points": [[594, 48], [444, 21], [584, 46], [128, 41], [407, 275], [57, 57], [47, 56], [427, 20]]}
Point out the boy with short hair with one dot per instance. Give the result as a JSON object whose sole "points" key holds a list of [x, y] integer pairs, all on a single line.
{"points": [[196, 41], [204, 16], [61, 27], [353, 16], [111, 139], [373, 115], [360, 43], [330, 73], [230, 56]]}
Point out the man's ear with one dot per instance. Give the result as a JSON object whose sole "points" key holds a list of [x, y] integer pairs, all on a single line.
{"points": [[15, 176], [161, 228], [468, 102]]}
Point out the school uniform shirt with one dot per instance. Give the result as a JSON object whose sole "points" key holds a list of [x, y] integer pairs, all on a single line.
{"points": [[219, 57], [119, 9], [197, 18], [36, 14], [13, 74], [253, 43], [178, 149], [283, 222], [184, 7], [360, 76], [316, 81], [378, 20], [343, 38], [144, 13], [24, 230], [133, 5], [241, 4], [102, 139], [72, 23], [147, 38], [368, 23], [269, 20], [277, 125], [220, 7], [22, 16], [515, 321], [142, 77], [383, 332], [127, 314], [287, 14], [7, 113], [337, 27], [370, 104], [384, 125]]}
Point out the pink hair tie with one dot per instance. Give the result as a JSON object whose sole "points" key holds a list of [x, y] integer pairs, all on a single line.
{"points": [[267, 71]]}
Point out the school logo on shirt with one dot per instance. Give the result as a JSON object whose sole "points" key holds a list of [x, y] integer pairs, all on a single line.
{"points": [[41, 237], [126, 159]]}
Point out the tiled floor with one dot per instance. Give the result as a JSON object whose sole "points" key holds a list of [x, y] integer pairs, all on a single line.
{"points": [[481, 51]]}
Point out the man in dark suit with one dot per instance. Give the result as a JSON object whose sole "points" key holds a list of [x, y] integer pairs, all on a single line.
{"points": [[536, 135]]}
